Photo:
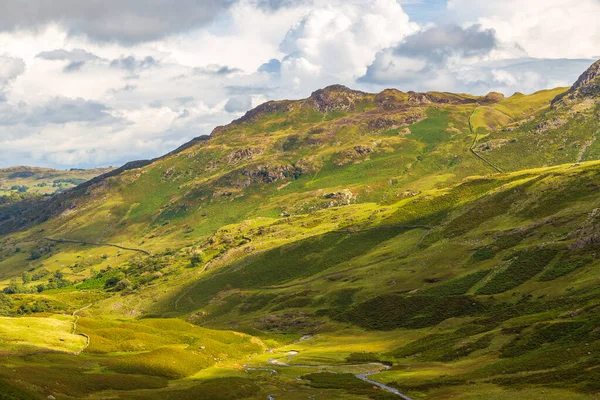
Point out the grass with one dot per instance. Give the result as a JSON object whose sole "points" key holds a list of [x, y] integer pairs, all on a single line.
{"points": [[25, 335]]}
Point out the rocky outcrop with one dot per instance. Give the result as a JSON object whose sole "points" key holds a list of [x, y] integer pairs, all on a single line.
{"points": [[341, 198], [395, 121], [588, 85], [550, 125], [491, 145], [493, 97], [269, 173], [240, 155], [359, 152], [335, 98]]}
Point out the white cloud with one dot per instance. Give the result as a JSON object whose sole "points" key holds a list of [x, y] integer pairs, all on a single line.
{"points": [[542, 28], [340, 42]]}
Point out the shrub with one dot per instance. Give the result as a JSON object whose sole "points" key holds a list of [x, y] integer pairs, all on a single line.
{"points": [[525, 266]]}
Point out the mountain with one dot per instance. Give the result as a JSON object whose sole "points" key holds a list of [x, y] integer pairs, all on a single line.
{"points": [[345, 245]]}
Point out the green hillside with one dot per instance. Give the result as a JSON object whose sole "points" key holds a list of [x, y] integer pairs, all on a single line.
{"points": [[345, 246]]}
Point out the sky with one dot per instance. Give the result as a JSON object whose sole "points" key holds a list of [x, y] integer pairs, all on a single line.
{"points": [[86, 83]]}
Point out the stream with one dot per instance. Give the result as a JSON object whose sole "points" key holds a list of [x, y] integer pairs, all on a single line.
{"points": [[363, 377]]}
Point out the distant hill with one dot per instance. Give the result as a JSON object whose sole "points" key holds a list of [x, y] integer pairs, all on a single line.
{"points": [[33, 180]]}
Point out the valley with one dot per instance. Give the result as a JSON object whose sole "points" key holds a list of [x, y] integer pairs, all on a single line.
{"points": [[345, 246]]}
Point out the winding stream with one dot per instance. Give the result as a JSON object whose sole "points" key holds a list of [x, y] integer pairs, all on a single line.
{"points": [[363, 377]]}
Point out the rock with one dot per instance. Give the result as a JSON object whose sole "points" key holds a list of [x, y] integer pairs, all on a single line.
{"points": [[494, 97], [240, 155], [382, 123], [491, 145], [418, 98], [335, 98], [549, 125], [341, 198], [357, 152], [269, 173], [585, 242], [363, 150], [587, 85]]}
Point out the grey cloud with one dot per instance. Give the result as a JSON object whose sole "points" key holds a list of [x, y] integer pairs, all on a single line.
{"points": [[62, 110], [215, 69], [438, 43], [125, 89], [424, 54], [127, 22], [271, 67], [185, 100], [131, 63], [75, 55], [238, 104], [74, 66], [59, 110], [275, 5]]}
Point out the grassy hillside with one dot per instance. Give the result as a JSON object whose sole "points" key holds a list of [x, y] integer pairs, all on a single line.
{"points": [[437, 245]]}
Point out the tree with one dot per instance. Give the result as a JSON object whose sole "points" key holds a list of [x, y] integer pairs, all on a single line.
{"points": [[123, 284], [35, 255], [26, 277], [6, 304]]}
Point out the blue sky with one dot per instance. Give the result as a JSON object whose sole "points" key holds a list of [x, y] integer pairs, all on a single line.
{"points": [[424, 11], [97, 83]]}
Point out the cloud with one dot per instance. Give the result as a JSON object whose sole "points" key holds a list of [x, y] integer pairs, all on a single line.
{"points": [[10, 68], [430, 55], [74, 66], [340, 42], [131, 63], [215, 69], [439, 43], [238, 104], [275, 5], [59, 110], [75, 55], [271, 67], [542, 28], [128, 22]]}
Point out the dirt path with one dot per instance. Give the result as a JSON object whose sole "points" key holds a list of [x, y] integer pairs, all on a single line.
{"points": [[74, 330], [472, 148], [97, 244]]}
